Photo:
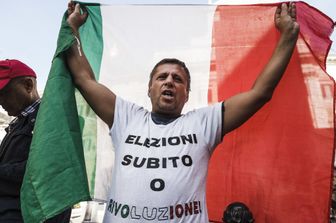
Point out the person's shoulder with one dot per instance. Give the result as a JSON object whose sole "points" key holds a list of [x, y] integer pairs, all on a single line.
{"points": [[205, 109], [128, 107]]}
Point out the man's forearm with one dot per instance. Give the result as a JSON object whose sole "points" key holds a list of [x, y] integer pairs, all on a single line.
{"points": [[274, 70], [285, 22], [79, 66]]}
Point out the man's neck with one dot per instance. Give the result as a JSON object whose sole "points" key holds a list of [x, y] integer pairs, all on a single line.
{"points": [[163, 119]]}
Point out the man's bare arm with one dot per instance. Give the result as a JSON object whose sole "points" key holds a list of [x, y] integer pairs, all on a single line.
{"points": [[241, 107], [99, 97]]}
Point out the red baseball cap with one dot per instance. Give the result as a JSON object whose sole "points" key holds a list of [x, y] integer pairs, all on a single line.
{"points": [[10, 69]]}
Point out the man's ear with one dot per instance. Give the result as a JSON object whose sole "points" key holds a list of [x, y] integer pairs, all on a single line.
{"points": [[28, 84], [148, 92], [187, 98]]}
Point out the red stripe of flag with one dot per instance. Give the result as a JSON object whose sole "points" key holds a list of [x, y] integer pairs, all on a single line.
{"points": [[280, 162]]}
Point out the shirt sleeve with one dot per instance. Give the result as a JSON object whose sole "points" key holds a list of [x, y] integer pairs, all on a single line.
{"points": [[124, 113], [210, 121], [11, 173]]}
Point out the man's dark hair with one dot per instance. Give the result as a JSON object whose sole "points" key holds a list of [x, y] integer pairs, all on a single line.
{"points": [[171, 61], [237, 212]]}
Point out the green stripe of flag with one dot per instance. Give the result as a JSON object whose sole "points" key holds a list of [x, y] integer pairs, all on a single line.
{"points": [[92, 43], [55, 177]]}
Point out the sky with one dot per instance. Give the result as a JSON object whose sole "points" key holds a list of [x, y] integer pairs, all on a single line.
{"points": [[29, 29]]}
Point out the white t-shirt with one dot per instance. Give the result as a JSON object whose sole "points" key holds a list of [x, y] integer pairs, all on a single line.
{"points": [[160, 170]]}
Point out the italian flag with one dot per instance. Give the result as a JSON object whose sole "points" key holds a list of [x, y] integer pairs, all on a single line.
{"points": [[279, 162]]}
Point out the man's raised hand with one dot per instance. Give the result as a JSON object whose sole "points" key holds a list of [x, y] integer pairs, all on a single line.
{"points": [[285, 20], [75, 17]]}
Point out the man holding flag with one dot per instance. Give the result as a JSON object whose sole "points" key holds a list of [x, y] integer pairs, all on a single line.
{"points": [[159, 153], [20, 99]]}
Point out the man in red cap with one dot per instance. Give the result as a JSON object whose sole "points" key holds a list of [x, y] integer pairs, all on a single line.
{"points": [[20, 99]]}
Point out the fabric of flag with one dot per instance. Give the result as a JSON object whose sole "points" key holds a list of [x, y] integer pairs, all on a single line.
{"points": [[279, 162]]}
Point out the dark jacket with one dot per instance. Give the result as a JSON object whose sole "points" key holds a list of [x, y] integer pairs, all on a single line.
{"points": [[14, 150]]}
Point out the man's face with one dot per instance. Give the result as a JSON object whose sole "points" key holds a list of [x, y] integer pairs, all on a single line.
{"points": [[168, 90], [14, 97]]}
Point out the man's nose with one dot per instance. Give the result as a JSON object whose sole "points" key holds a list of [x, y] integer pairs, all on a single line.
{"points": [[169, 80]]}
